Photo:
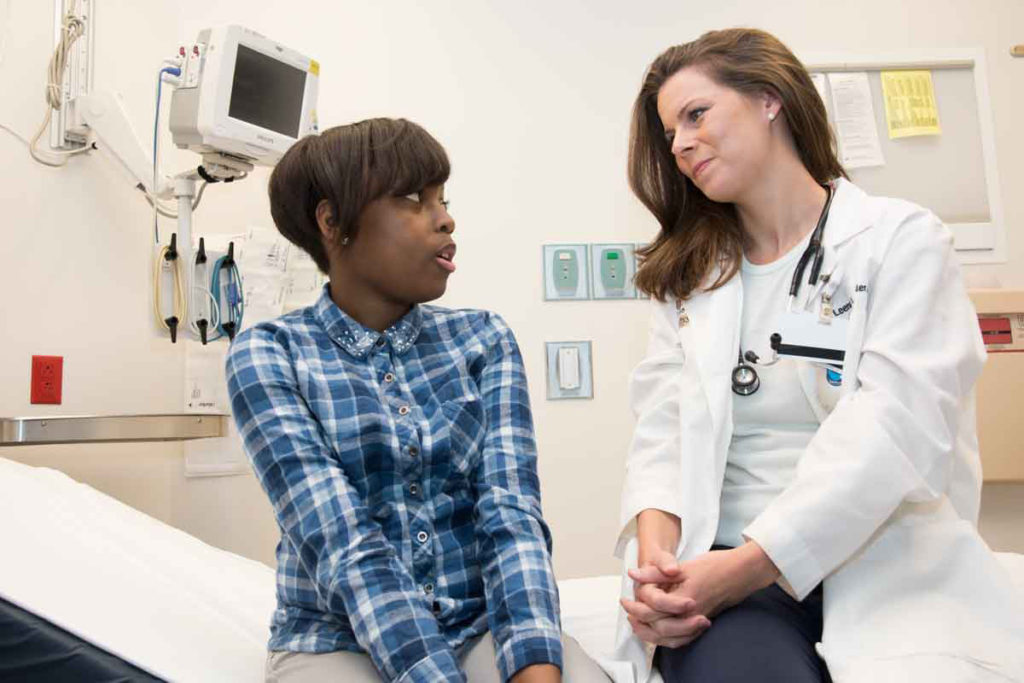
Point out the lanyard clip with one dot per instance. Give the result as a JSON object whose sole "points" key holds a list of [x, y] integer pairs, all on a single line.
{"points": [[825, 313]]}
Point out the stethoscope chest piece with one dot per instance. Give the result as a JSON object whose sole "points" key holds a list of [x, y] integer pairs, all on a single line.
{"points": [[744, 379]]}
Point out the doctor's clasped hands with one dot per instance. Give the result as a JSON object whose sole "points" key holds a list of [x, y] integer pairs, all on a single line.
{"points": [[674, 601]]}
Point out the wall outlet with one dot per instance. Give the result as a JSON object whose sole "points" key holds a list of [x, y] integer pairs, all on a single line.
{"points": [[47, 379]]}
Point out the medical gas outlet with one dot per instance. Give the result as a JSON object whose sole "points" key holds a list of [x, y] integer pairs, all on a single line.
{"points": [[566, 272], [615, 266], [589, 271]]}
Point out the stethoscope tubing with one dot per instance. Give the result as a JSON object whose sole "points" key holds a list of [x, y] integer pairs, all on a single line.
{"points": [[745, 380]]}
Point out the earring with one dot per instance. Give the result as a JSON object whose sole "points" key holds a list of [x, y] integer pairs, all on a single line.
{"points": [[771, 116], [344, 241]]}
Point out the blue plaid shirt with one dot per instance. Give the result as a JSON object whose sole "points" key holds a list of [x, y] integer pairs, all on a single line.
{"points": [[402, 471]]}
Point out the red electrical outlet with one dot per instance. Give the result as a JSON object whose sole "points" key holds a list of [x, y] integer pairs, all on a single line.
{"points": [[47, 378]]}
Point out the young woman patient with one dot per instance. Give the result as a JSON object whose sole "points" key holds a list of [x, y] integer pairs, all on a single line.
{"points": [[394, 439]]}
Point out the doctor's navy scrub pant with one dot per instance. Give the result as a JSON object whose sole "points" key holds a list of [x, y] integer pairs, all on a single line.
{"points": [[767, 638]]}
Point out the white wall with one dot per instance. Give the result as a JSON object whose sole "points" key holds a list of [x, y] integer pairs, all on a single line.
{"points": [[532, 101]]}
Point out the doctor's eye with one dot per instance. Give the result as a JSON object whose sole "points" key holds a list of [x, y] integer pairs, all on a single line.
{"points": [[412, 197], [696, 113]]}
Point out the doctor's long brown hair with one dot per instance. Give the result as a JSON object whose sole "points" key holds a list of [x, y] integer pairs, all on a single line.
{"points": [[696, 233]]}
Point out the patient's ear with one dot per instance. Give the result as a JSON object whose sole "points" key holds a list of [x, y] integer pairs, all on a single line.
{"points": [[325, 220]]}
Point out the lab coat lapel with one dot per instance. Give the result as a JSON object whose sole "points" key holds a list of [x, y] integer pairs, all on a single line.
{"points": [[713, 332], [851, 215]]}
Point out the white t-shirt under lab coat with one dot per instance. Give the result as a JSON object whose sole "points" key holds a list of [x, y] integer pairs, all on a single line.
{"points": [[772, 426]]}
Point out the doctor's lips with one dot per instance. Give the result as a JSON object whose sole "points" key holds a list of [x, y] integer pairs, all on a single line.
{"points": [[445, 256], [699, 167]]}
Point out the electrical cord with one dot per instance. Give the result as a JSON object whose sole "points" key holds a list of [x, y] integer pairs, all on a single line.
{"points": [[230, 292], [213, 323], [16, 134], [202, 331], [162, 208], [174, 71], [179, 308], [72, 28]]}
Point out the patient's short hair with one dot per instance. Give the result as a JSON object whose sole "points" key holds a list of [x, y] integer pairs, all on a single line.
{"points": [[350, 166]]}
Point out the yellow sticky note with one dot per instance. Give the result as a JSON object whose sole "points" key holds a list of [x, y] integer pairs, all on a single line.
{"points": [[910, 103], [314, 67]]}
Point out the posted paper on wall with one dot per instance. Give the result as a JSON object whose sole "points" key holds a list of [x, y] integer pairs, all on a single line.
{"points": [[206, 392], [304, 281], [263, 263], [910, 107], [854, 115]]}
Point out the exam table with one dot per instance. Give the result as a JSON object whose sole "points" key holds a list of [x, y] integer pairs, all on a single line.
{"points": [[92, 589]]}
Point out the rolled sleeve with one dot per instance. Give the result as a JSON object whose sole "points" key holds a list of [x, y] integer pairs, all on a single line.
{"points": [[438, 667], [514, 540], [525, 648]]}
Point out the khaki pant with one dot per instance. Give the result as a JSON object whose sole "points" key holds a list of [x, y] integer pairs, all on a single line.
{"points": [[477, 661]]}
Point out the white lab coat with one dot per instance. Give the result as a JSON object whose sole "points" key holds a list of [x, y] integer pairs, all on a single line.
{"points": [[884, 505]]}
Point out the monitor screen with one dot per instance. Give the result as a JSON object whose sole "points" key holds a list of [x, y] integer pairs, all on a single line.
{"points": [[266, 92]]}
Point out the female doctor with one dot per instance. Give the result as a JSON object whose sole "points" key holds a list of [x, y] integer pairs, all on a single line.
{"points": [[803, 484]]}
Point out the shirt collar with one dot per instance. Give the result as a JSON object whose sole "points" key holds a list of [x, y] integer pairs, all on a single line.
{"points": [[356, 338]]}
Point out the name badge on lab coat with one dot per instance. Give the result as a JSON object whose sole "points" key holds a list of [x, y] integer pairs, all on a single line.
{"points": [[808, 336]]}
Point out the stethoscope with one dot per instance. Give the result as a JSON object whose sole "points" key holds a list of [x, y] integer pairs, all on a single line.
{"points": [[744, 376]]}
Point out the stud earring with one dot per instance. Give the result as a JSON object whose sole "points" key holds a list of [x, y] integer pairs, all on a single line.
{"points": [[771, 116], [344, 242]]}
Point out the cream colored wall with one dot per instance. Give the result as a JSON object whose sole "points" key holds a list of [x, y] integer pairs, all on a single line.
{"points": [[532, 101]]}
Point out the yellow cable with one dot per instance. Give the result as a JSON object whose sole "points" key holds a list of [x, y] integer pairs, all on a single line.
{"points": [[180, 308]]}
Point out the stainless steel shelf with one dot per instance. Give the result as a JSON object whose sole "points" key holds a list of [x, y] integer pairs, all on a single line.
{"points": [[34, 431]]}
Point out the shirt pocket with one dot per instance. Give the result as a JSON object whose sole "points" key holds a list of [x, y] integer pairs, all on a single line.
{"points": [[466, 425]]}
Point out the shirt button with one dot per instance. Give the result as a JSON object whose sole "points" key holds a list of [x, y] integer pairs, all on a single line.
{"points": [[428, 588], [414, 489], [404, 410], [389, 378], [413, 451], [422, 536]]}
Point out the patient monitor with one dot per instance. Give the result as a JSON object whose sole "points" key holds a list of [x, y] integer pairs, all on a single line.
{"points": [[243, 95], [240, 100]]}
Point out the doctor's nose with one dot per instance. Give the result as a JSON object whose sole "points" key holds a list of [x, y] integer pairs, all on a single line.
{"points": [[682, 142]]}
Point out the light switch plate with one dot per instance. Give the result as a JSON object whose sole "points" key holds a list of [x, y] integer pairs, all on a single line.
{"points": [[613, 267], [566, 382], [566, 272]]}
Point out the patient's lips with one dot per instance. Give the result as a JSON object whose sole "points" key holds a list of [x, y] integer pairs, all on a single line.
{"points": [[445, 256]]}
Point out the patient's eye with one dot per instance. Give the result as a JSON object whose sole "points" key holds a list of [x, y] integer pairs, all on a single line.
{"points": [[413, 197]]}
